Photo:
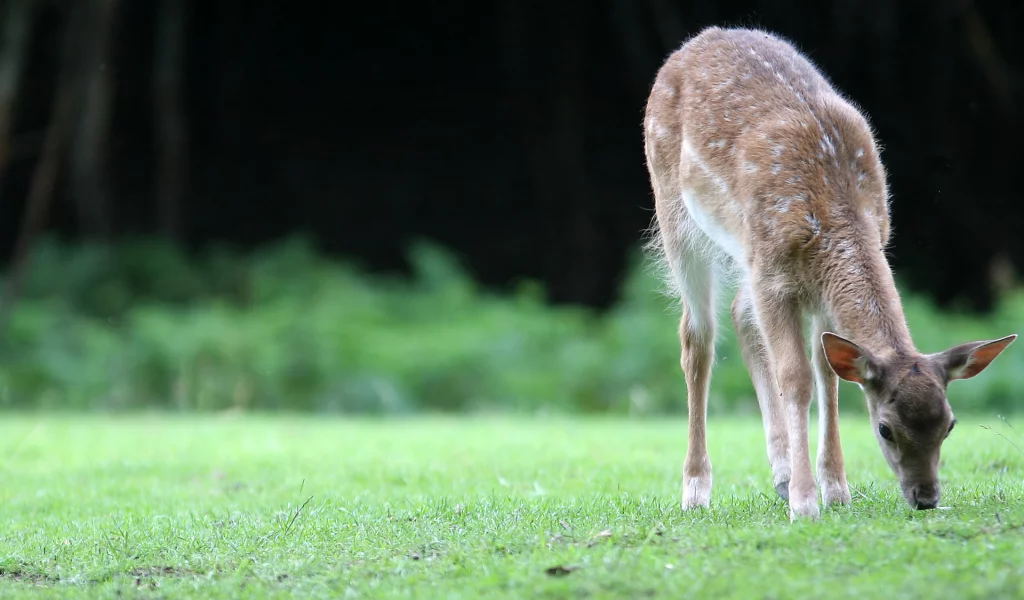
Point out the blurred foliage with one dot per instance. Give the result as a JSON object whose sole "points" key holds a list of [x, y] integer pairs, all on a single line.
{"points": [[143, 325]]}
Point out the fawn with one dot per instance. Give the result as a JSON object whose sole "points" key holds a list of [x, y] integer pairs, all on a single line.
{"points": [[764, 175]]}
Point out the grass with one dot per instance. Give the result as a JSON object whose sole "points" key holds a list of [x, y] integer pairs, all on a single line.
{"points": [[262, 506]]}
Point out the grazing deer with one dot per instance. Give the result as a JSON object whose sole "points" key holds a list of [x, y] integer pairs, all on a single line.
{"points": [[764, 174]]}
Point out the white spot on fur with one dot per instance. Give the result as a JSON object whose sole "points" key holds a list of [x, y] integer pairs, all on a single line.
{"points": [[749, 167], [813, 222], [777, 150], [793, 179], [666, 89], [722, 85], [776, 168], [658, 130], [719, 144], [718, 181], [827, 146], [817, 121], [859, 153], [655, 128]]}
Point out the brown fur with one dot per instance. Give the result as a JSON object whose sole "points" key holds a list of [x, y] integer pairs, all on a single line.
{"points": [[762, 170]]}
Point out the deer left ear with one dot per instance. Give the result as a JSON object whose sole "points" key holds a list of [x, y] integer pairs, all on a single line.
{"points": [[967, 360], [848, 360]]}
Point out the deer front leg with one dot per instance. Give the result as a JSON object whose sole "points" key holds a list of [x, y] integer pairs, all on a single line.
{"points": [[831, 474], [755, 357], [779, 320]]}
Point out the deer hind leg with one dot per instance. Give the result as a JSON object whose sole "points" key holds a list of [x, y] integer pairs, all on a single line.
{"points": [[695, 276], [755, 356], [831, 474], [779, 320]]}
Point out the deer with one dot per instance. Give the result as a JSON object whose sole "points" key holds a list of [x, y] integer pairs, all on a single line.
{"points": [[767, 178]]}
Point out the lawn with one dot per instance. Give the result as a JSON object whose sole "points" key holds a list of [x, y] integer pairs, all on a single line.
{"points": [[233, 506]]}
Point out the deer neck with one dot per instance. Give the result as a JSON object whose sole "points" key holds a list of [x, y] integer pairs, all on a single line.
{"points": [[861, 298]]}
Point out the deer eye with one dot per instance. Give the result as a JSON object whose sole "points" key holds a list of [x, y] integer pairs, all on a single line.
{"points": [[885, 432], [951, 426]]}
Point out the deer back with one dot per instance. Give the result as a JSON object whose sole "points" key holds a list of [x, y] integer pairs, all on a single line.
{"points": [[743, 128]]}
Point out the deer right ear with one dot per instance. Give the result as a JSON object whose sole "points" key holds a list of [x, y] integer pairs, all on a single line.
{"points": [[967, 360], [849, 361]]}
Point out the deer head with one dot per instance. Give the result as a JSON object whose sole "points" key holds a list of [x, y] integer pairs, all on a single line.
{"points": [[906, 400]]}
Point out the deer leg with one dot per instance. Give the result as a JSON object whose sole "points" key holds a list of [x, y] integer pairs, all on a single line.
{"points": [[697, 342], [831, 474], [779, 320], [755, 356]]}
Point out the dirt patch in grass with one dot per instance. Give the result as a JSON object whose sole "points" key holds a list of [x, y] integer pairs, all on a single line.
{"points": [[148, 576], [162, 572], [22, 576]]}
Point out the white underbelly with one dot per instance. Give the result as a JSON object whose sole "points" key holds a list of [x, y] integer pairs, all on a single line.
{"points": [[715, 231], [705, 188]]}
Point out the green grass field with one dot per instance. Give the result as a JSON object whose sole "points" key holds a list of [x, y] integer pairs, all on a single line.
{"points": [[461, 508]]}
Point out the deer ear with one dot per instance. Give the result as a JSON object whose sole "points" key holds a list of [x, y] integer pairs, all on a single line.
{"points": [[967, 360], [847, 359]]}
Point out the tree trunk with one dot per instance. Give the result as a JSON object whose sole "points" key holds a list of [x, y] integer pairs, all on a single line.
{"points": [[63, 114], [172, 134], [668, 24], [568, 170], [16, 30], [89, 154], [556, 157], [233, 39], [625, 18]]}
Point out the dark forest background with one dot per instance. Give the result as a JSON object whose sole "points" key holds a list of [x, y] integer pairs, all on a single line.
{"points": [[508, 131], [395, 206]]}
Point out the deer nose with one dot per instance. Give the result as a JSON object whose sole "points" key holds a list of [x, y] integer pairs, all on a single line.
{"points": [[926, 497]]}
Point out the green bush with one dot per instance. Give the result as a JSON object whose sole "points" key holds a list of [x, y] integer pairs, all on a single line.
{"points": [[143, 325]]}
